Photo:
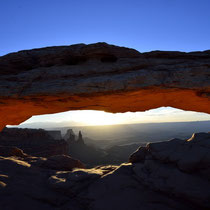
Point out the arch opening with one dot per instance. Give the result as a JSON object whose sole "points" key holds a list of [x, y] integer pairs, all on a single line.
{"points": [[98, 137], [100, 118], [100, 77]]}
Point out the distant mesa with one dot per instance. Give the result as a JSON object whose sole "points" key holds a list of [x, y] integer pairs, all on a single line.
{"points": [[34, 142], [55, 134], [70, 136]]}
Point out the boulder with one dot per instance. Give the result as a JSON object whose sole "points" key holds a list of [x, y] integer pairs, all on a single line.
{"points": [[59, 162], [8, 151]]}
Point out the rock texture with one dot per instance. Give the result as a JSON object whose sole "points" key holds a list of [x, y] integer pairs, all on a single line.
{"points": [[100, 77], [35, 142], [172, 175], [7, 151], [24, 184], [176, 167], [59, 162], [55, 134]]}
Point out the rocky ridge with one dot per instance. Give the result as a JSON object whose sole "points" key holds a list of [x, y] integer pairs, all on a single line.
{"points": [[166, 175], [35, 142], [176, 167]]}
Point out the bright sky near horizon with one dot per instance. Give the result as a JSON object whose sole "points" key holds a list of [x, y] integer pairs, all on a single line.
{"points": [[145, 25], [90, 117]]}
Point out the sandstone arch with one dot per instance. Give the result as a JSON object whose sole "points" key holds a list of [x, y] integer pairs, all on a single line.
{"points": [[100, 77]]}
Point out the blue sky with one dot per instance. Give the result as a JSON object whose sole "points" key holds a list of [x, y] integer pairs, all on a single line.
{"points": [[141, 24]]}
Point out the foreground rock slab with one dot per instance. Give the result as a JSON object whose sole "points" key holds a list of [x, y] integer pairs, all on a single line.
{"points": [[100, 77], [176, 167], [167, 175]]}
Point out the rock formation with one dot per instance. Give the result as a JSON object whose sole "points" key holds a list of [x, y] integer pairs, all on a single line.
{"points": [[24, 183], [167, 175], [55, 134], [7, 151], [36, 142], [58, 162], [80, 139], [100, 77], [161, 176], [89, 155], [70, 136], [176, 167]]}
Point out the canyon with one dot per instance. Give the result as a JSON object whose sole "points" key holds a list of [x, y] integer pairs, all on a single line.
{"points": [[173, 174], [165, 175]]}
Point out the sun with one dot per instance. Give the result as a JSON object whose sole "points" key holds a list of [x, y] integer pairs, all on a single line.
{"points": [[91, 117]]}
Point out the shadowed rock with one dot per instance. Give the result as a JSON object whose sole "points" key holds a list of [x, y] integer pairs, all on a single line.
{"points": [[35, 142], [59, 162], [159, 178], [55, 134], [177, 167], [100, 77], [8, 151]]}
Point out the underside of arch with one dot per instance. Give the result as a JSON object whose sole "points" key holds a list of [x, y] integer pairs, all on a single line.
{"points": [[100, 77]]}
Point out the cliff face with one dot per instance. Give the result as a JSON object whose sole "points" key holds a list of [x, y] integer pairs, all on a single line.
{"points": [[55, 134], [36, 142], [100, 77], [176, 167]]}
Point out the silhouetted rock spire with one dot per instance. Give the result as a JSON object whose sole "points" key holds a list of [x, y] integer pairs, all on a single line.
{"points": [[80, 139]]}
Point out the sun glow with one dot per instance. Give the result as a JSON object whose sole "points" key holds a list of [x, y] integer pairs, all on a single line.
{"points": [[98, 118], [91, 117]]}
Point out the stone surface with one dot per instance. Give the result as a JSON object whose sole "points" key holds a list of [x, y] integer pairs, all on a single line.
{"points": [[100, 77], [104, 188], [55, 134], [35, 142], [158, 179], [59, 162], [120, 189], [177, 167], [24, 186], [8, 151]]}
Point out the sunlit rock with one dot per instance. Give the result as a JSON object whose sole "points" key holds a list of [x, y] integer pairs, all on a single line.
{"points": [[59, 162], [8, 151], [100, 77]]}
